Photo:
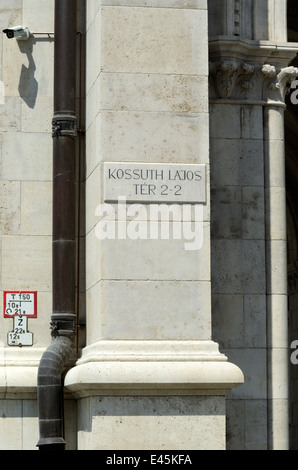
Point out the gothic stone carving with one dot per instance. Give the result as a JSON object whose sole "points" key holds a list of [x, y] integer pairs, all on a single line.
{"points": [[226, 73], [243, 81]]}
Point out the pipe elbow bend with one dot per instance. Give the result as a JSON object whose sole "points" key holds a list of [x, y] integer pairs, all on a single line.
{"points": [[49, 387]]}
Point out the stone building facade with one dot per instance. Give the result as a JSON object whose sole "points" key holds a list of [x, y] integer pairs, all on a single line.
{"points": [[184, 340]]}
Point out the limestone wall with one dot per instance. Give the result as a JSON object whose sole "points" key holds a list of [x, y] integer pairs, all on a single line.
{"points": [[165, 325], [148, 301], [26, 70]]}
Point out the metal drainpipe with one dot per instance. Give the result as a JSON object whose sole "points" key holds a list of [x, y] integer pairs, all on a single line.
{"points": [[63, 321]]}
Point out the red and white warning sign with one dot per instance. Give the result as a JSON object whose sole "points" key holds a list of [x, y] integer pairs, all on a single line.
{"points": [[20, 305], [17, 303]]}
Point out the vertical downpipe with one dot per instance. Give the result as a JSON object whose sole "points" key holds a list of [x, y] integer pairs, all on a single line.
{"points": [[63, 321]]}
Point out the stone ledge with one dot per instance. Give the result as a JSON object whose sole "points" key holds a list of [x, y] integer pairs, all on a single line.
{"points": [[153, 378], [18, 382], [186, 4], [224, 47]]}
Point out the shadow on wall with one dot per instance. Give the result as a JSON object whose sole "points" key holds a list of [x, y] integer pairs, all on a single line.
{"points": [[28, 85]]}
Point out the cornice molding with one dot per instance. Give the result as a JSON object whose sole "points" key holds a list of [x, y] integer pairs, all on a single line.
{"points": [[244, 70], [247, 50]]}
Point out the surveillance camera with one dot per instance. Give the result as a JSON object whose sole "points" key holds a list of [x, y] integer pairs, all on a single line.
{"points": [[20, 33]]}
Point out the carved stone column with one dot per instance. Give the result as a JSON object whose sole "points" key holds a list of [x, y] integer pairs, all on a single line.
{"points": [[276, 254], [248, 84]]}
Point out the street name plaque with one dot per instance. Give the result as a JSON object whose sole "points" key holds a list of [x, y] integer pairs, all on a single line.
{"points": [[155, 182]]}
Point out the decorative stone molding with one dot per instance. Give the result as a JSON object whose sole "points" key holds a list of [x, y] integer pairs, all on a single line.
{"points": [[270, 84], [246, 86], [225, 74], [153, 378], [279, 83], [142, 350], [243, 81], [18, 372], [269, 71], [154, 367], [237, 16], [285, 78], [245, 70], [18, 382]]}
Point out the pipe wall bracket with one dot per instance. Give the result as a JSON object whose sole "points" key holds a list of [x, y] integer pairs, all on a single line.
{"points": [[64, 125]]}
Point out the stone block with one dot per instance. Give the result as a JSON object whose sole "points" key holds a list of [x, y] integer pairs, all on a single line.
{"points": [[156, 310], [36, 76], [39, 14], [36, 203], [155, 259], [256, 424], [252, 122], [255, 321], [226, 212], [38, 118], [30, 424], [153, 93], [12, 59], [253, 363], [27, 156], [235, 162], [235, 424], [227, 309], [154, 40], [10, 114], [172, 423], [10, 207], [225, 120], [154, 137], [238, 266], [11, 428], [11, 4], [26, 263], [253, 209]]}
